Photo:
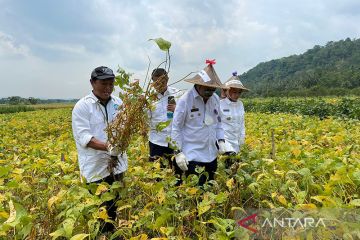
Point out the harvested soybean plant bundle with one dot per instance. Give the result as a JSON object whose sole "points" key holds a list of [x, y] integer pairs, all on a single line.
{"points": [[132, 119]]}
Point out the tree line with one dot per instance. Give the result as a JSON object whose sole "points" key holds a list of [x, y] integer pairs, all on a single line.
{"points": [[17, 100], [333, 69]]}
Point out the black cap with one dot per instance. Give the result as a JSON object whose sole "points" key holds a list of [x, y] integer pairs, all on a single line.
{"points": [[101, 73]]}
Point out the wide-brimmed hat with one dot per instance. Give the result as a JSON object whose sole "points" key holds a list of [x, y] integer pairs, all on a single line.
{"points": [[234, 82], [207, 77]]}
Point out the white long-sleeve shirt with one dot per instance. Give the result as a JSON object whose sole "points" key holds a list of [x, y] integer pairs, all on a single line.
{"points": [[158, 115], [89, 119], [197, 126], [233, 121]]}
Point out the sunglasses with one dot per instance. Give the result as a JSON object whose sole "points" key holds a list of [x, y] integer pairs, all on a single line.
{"points": [[209, 89]]}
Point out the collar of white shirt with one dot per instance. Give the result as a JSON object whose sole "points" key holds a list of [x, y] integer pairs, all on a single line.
{"points": [[94, 98], [195, 93], [228, 101], [159, 95]]}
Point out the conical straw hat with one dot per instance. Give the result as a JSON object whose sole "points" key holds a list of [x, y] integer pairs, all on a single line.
{"points": [[207, 77], [234, 82]]}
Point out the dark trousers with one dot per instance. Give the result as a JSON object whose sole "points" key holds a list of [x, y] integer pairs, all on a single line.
{"points": [[110, 205], [210, 168], [157, 151]]}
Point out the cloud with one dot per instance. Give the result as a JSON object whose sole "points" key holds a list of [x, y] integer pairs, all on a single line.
{"points": [[72, 49], [60, 43], [10, 48]]}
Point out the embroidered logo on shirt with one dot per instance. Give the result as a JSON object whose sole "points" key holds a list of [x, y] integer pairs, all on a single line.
{"points": [[116, 106]]}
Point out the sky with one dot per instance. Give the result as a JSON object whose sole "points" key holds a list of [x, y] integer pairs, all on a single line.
{"points": [[48, 48]]}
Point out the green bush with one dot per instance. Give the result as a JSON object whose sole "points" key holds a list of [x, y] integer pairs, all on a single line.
{"points": [[344, 107], [15, 108]]}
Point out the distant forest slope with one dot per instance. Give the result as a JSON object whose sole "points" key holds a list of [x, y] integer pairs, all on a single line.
{"points": [[333, 69]]}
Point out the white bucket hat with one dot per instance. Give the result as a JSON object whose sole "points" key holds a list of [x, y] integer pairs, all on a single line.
{"points": [[234, 82]]}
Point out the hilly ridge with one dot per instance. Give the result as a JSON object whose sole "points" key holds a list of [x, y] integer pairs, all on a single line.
{"points": [[333, 69]]}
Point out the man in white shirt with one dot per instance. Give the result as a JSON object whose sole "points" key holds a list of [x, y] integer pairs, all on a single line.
{"points": [[233, 115], [163, 109], [90, 117], [196, 130]]}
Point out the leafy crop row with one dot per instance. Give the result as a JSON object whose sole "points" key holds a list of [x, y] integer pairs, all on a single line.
{"points": [[289, 161], [15, 108], [26, 108], [344, 108]]}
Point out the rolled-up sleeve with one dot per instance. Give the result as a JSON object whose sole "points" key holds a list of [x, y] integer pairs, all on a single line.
{"points": [[81, 125], [178, 123]]}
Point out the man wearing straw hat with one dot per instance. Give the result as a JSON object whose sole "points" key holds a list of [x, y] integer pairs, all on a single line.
{"points": [[196, 129], [232, 113]]}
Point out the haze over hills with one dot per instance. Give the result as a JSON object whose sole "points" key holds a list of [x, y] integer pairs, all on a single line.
{"points": [[333, 69]]}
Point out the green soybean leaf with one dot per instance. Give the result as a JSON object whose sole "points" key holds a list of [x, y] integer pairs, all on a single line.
{"points": [[80, 236], [162, 43]]}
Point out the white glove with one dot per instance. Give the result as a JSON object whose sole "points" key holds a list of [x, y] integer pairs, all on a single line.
{"points": [[113, 151], [181, 161], [222, 147]]}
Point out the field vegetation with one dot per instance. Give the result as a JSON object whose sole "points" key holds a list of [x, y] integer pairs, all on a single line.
{"points": [[289, 161]]}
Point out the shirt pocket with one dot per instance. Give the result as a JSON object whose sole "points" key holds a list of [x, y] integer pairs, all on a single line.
{"points": [[227, 116], [195, 118]]}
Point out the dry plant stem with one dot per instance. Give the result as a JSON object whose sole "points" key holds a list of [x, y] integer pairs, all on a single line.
{"points": [[133, 117], [131, 121], [149, 84], [168, 57], [112, 164], [147, 73], [272, 145], [181, 79]]}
